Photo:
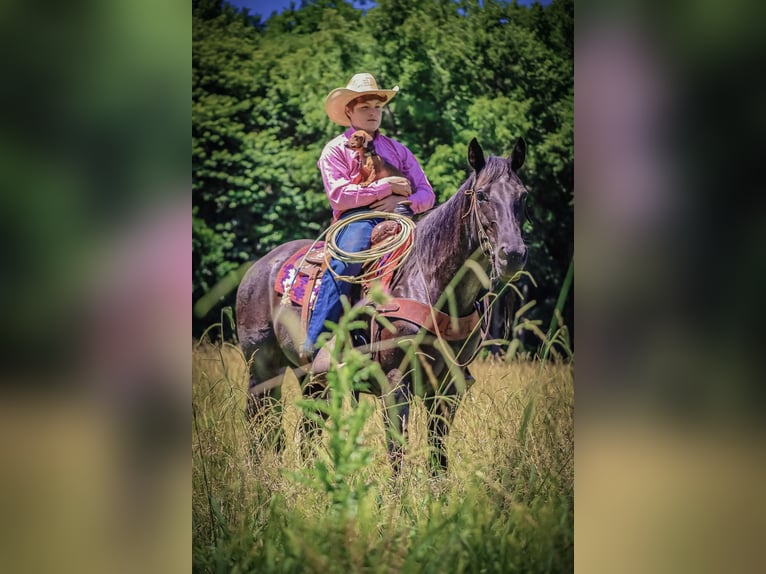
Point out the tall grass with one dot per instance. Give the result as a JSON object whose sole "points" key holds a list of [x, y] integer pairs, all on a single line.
{"points": [[505, 505]]}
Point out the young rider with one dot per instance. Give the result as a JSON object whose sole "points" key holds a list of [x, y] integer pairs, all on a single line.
{"points": [[360, 106]]}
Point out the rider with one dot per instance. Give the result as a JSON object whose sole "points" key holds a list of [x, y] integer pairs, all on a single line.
{"points": [[360, 106]]}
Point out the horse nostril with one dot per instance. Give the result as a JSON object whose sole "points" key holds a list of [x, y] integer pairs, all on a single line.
{"points": [[515, 256]]}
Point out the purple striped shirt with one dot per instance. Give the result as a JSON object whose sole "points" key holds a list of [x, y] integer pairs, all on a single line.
{"points": [[340, 166]]}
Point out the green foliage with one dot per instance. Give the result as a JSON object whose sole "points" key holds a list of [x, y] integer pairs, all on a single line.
{"points": [[496, 71], [336, 470]]}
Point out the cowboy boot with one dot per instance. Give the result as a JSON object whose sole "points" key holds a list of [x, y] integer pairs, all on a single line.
{"points": [[321, 361]]}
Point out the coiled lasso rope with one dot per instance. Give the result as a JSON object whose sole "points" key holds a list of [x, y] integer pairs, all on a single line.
{"points": [[376, 252]]}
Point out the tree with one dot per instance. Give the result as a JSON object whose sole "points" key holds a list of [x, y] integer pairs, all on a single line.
{"points": [[493, 70]]}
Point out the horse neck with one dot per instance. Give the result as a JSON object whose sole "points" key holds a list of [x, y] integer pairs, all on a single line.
{"points": [[444, 240]]}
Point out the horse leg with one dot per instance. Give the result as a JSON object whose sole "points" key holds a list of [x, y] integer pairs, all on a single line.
{"points": [[441, 413], [314, 387], [396, 414], [264, 404], [264, 412]]}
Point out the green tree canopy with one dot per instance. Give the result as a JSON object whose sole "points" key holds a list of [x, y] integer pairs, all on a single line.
{"points": [[492, 70]]}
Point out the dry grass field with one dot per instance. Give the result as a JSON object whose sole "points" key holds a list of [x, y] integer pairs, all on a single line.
{"points": [[505, 505]]}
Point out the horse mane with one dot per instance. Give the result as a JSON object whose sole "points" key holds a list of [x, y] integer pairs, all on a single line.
{"points": [[439, 232]]}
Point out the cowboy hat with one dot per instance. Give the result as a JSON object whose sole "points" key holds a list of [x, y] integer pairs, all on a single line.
{"points": [[360, 85]]}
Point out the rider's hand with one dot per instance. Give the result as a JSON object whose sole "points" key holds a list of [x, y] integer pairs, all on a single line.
{"points": [[399, 185], [387, 204]]}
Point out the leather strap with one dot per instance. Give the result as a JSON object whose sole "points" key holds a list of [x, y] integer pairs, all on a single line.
{"points": [[313, 272], [434, 321]]}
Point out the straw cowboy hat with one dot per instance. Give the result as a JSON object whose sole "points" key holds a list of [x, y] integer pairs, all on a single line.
{"points": [[360, 85]]}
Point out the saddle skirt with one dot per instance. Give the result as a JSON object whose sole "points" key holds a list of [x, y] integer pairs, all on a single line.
{"points": [[300, 276]]}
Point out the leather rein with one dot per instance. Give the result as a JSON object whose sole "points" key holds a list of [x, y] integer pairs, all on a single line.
{"points": [[436, 322]]}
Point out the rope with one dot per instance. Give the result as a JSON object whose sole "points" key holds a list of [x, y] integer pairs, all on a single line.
{"points": [[332, 250], [376, 252]]}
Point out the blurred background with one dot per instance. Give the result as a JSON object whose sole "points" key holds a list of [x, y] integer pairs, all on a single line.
{"points": [[96, 211], [669, 228], [96, 208]]}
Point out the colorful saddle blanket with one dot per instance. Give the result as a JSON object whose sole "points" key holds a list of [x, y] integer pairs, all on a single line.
{"points": [[300, 273]]}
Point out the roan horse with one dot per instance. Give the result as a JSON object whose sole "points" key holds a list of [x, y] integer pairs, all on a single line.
{"points": [[480, 223]]}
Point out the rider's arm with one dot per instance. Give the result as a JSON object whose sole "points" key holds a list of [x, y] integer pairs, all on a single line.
{"points": [[339, 166], [422, 196], [397, 154]]}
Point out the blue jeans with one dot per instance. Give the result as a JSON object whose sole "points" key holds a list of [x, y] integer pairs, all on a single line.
{"points": [[353, 237]]}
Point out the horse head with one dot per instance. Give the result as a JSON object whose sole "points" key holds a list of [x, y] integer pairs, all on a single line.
{"points": [[497, 198]]}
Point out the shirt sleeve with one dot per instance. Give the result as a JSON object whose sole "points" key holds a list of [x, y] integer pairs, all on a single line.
{"points": [[422, 196], [338, 173]]}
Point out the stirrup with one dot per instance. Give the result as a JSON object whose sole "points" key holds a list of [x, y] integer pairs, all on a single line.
{"points": [[358, 339]]}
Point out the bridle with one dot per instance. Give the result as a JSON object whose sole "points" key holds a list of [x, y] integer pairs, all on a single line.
{"points": [[485, 243], [484, 306]]}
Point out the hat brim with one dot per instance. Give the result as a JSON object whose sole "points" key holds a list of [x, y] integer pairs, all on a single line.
{"points": [[338, 99]]}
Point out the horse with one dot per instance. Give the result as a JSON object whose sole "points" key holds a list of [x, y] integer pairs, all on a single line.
{"points": [[480, 224]]}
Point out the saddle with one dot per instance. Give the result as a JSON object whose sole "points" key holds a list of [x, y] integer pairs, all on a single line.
{"points": [[300, 277]]}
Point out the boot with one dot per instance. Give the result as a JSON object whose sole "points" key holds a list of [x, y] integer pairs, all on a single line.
{"points": [[321, 361]]}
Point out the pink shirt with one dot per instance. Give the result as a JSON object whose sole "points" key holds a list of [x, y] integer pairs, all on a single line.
{"points": [[340, 165]]}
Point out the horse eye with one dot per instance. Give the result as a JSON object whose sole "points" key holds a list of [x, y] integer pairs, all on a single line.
{"points": [[482, 195], [525, 208]]}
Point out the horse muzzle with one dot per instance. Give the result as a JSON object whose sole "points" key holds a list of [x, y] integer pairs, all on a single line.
{"points": [[510, 261]]}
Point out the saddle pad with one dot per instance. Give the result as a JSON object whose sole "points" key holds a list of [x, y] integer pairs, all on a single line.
{"points": [[295, 274], [294, 278]]}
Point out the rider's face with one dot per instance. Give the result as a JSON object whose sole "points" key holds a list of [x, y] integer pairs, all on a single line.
{"points": [[366, 115]]}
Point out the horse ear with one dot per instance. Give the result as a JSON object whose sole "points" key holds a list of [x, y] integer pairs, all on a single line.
{"points": [[475, 156], [518, 154]]}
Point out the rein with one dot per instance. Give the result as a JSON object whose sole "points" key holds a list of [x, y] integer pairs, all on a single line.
{"points": [[444, 326], [484, 241]]}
